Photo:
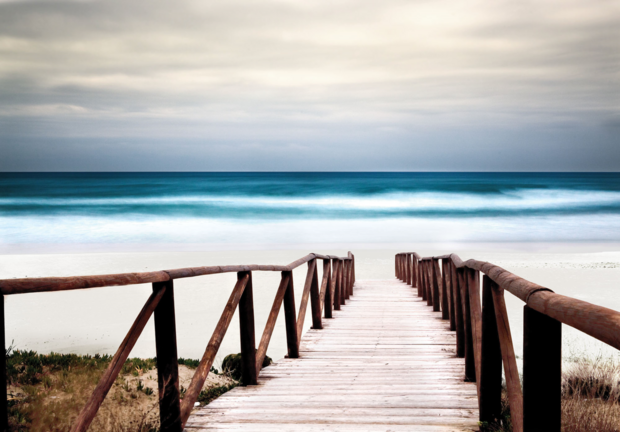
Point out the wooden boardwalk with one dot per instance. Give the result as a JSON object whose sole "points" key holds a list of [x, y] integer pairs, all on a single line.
{"points": [[386, 362]]}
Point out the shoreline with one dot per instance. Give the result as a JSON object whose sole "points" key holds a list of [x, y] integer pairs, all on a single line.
{"points": [[436, 248]]}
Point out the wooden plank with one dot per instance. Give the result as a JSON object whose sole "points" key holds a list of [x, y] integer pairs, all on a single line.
{"points": [[345, 374]]}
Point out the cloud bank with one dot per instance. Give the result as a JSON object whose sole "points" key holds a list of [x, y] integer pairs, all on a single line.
{"points": [[296, 85]]}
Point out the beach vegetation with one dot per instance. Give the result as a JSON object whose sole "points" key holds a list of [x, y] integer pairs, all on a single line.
{"points": [[590, 397], [47, 391], [233, 366]]}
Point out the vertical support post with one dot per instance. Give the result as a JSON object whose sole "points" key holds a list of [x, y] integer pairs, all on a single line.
{"points": [[428, 269], [424, 281], [341, 282], [4, 414], [167, 360], [418, 274], [336, 284], [491, 370], [247, 333], [328, 303], [290, 318], [475, 310], [542, 372], [458, 315], [445, 309], [315, 300], [396, 265], [407, 269], [345, 278], [434, 266], [470, 363], [350, 278], [447, 280]]}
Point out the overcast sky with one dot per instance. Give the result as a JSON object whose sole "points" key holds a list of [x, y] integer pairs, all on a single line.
{"points": [[310, 85]]}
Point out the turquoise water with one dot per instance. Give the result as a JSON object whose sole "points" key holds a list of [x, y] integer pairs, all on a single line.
{"points": [[303, 208]]}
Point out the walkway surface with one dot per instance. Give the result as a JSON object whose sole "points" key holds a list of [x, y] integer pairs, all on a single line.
{"points": [[386, 362]]}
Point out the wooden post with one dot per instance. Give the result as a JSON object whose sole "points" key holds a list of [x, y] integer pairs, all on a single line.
{"points": [[290, 318], [475, 310], [441, 278], [167, 360], [335, 284], [491, 370], [447, 280], [328, 303], [348, 285], [542, 372], [407, 269], [429, 283], [418, 274], [458, 314], [396, 266], [435, 277], [247, 332], [315, 300], [345, 278], [341, 282], [4, 416], [470, 362], [424, 280]]}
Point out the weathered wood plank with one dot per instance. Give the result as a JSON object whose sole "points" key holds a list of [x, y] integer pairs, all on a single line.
{"points": [[385, 362]]}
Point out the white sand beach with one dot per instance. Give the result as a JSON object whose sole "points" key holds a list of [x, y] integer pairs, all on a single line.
{"points": [[96, 320]]}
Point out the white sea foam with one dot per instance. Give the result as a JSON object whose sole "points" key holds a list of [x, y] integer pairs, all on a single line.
{"points": [[520, 199], [86, 229]]}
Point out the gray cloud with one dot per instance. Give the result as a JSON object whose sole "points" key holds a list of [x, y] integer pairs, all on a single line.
{"points": [[266, 85]]}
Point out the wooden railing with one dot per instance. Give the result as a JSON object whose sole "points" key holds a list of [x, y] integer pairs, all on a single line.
{"points": [[483, 333], [336, 286]]}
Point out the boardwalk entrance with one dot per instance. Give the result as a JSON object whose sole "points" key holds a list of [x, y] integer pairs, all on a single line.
{"points": [[387, 362], [386, 356]]}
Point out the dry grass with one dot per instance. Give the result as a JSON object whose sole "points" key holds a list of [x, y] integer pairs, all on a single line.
{"points": [[47, 392], [591, 396]]}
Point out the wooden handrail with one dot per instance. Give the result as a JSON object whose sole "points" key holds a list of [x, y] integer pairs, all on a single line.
{"points": [[337, 283], [32, 285], [483, 331]]}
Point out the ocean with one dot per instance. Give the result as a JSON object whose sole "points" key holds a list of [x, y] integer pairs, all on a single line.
{"points": [[154, 221], [289, 209]]}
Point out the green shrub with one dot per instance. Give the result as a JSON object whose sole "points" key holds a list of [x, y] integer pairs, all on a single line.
{"points": [[233, 366]]}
